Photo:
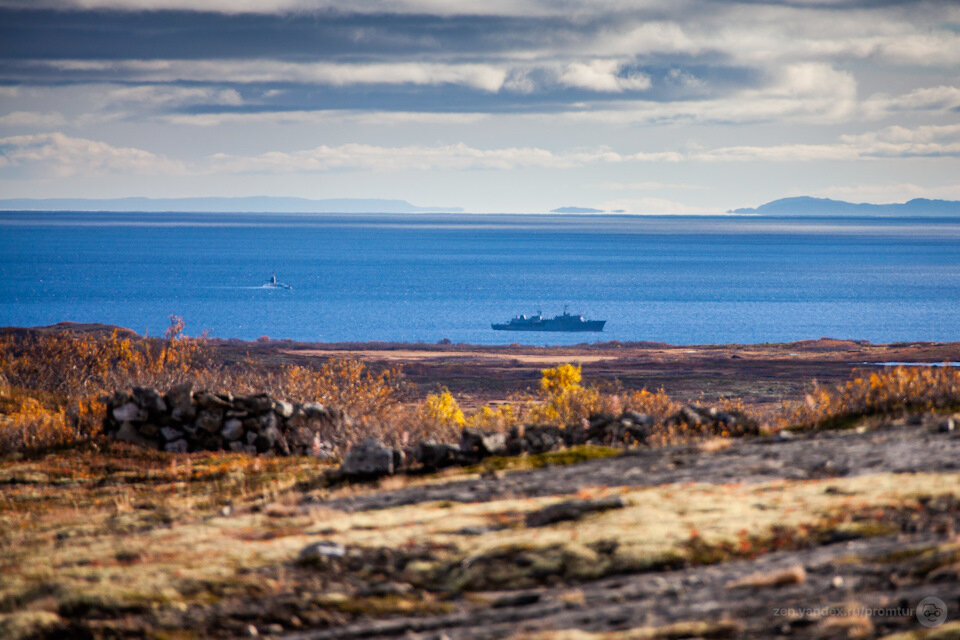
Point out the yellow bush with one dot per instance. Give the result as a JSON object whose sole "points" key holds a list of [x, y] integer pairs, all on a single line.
{"points": [[443, 409], [560, 378]]}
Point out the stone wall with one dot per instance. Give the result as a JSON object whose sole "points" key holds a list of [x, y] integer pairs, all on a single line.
{"points": [[182, 420]]}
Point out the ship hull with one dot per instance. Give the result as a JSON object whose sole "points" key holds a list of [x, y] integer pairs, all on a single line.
{"points": [[549, 325]]}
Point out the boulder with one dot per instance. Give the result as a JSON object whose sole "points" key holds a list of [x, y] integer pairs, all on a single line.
{"points": [[179, 396], [150, 400], [209, 421], [169, 434], [370, 458], [129, 412], [476, 444], [260, 403], [177, 446], [211, 401], [436, 455], [320, 553], [128, 433], [232, 429], [283, 409]]}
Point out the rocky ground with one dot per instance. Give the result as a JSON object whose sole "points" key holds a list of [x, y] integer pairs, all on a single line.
{"points": [[830, 534]]}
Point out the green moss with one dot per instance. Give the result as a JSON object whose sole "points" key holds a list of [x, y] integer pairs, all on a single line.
{"points": [[573, 455]]}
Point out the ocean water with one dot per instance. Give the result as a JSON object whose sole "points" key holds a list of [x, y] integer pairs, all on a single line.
{"points": [[682, 280]]}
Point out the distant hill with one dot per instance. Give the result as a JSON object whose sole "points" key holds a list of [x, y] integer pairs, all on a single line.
{"points": [[807, 206], [576, 210], [255, 204]]}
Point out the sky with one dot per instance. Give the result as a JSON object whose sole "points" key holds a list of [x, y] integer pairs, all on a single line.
{"points": [[648, 106]]}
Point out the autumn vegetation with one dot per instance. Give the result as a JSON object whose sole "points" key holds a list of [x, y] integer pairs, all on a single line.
{"points": [[53, 387]]}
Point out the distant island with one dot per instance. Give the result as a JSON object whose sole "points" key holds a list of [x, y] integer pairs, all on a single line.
{"points": [[807, 206], [254, 204], [576, 210]]}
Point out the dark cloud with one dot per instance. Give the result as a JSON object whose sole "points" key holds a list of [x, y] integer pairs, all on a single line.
{"points": [[48, 34]]}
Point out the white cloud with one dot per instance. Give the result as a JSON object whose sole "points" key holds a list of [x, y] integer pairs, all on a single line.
{"points": [[891, 142], [61, 156], [385, 118], [42, 120], [480, 76], [161, 95], [939, 99], [804, 92], [420, 158], [602, 75]]}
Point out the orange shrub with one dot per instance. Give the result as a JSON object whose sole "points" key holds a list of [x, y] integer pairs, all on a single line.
{"points": [[895, 390]]}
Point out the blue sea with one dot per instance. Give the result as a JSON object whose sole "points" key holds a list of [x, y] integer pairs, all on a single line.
{"points": [[682, 280]]}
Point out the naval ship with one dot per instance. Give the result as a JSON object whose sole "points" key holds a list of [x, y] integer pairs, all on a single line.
{"points": [[565, 322]]}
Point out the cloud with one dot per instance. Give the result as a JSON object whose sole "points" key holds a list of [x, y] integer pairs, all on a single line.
{"points": [[891, 142], [603, 75], [32, 119], [384, 118], [479, 76], [803, 92], [164, 95], [420, 158], [63, 156], [940, 99]]}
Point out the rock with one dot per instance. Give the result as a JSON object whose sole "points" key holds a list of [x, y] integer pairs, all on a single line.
{"points": [[314, 410], [237, 447], [207, 400], [128, 433], [948, 425], [321, 553], [571, 510], [169, 434], [481, 444], [637, 418], [268, 421], [179, 396], [129, 412], [436, 455], [148, 430], [177, 446], [283, 409], [209, 421], [232, 429], [534, 439], [599, 420], [690, 416], [369, 458], [260, 403], [150, 400]]}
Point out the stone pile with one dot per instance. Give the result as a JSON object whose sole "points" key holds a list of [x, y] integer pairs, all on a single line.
{"points": [[710, 420], [371, 458], [182, 420]]}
